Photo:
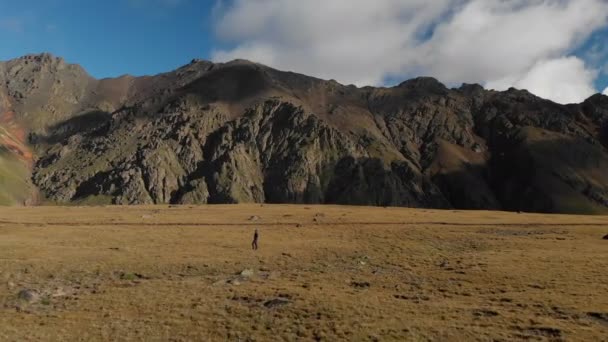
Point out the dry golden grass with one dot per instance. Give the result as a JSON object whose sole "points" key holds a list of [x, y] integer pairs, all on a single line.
{"points": [[350, 273]]}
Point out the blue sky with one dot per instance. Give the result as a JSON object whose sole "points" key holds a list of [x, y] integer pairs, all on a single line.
{"points": [[556, 48], [109, 37]]}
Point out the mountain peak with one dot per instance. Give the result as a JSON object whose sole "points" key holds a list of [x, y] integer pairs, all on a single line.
{"points": [[423, 83], [42, 58]]}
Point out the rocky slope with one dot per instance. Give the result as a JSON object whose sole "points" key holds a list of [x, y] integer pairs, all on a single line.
{"points": [[242, 132]]}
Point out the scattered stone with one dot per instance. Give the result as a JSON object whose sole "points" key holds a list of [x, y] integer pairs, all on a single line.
{"points": [[298, 225], [485, 313], [247, 273], [59, 292], [28, 295], [545, 331], [131, 276], [235, 282], [276, 302], [605, 237], [599, 316], [416, 299], [360, 284], [446, 265], [254, 218], [10, 285]]}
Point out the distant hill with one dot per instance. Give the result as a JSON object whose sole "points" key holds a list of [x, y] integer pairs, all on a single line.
{"points": [[243, 132]]}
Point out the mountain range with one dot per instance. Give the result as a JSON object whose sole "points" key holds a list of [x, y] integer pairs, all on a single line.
{"points": [[243, 132]]}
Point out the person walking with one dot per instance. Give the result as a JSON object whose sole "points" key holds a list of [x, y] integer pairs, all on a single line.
{"points": [[254, 244]]}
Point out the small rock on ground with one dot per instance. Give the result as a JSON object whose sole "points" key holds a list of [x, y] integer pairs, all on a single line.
{"points": [[235, 282], [485, 313], [360, 284], [246, 273], [28, 295], [59, 292], [273, 303], [601, 316]]}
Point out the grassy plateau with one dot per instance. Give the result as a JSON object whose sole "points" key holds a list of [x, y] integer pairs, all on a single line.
{"points": [[182, 273]]}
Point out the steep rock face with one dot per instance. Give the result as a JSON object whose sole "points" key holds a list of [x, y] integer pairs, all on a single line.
{"points": [[44, 89], [274, 153], [545, 157], [242, 132]]}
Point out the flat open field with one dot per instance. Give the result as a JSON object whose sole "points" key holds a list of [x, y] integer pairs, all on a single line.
{"points": [[321, 273]]}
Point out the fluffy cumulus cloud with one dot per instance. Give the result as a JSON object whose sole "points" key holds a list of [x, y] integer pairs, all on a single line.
{"points": [[522, 43], [565, 80], [353, 41], [605, 91]]}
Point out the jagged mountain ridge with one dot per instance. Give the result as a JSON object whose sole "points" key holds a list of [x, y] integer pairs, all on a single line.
{"points": [[244, 132]]}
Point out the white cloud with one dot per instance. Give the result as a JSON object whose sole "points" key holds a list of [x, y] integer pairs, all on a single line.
{"points": [[354, 41], [605, 91], [364, 42], [490, 39], [565, 80]]}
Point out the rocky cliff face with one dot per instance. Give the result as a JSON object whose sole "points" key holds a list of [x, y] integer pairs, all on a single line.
{"points": [[243, 132]]}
